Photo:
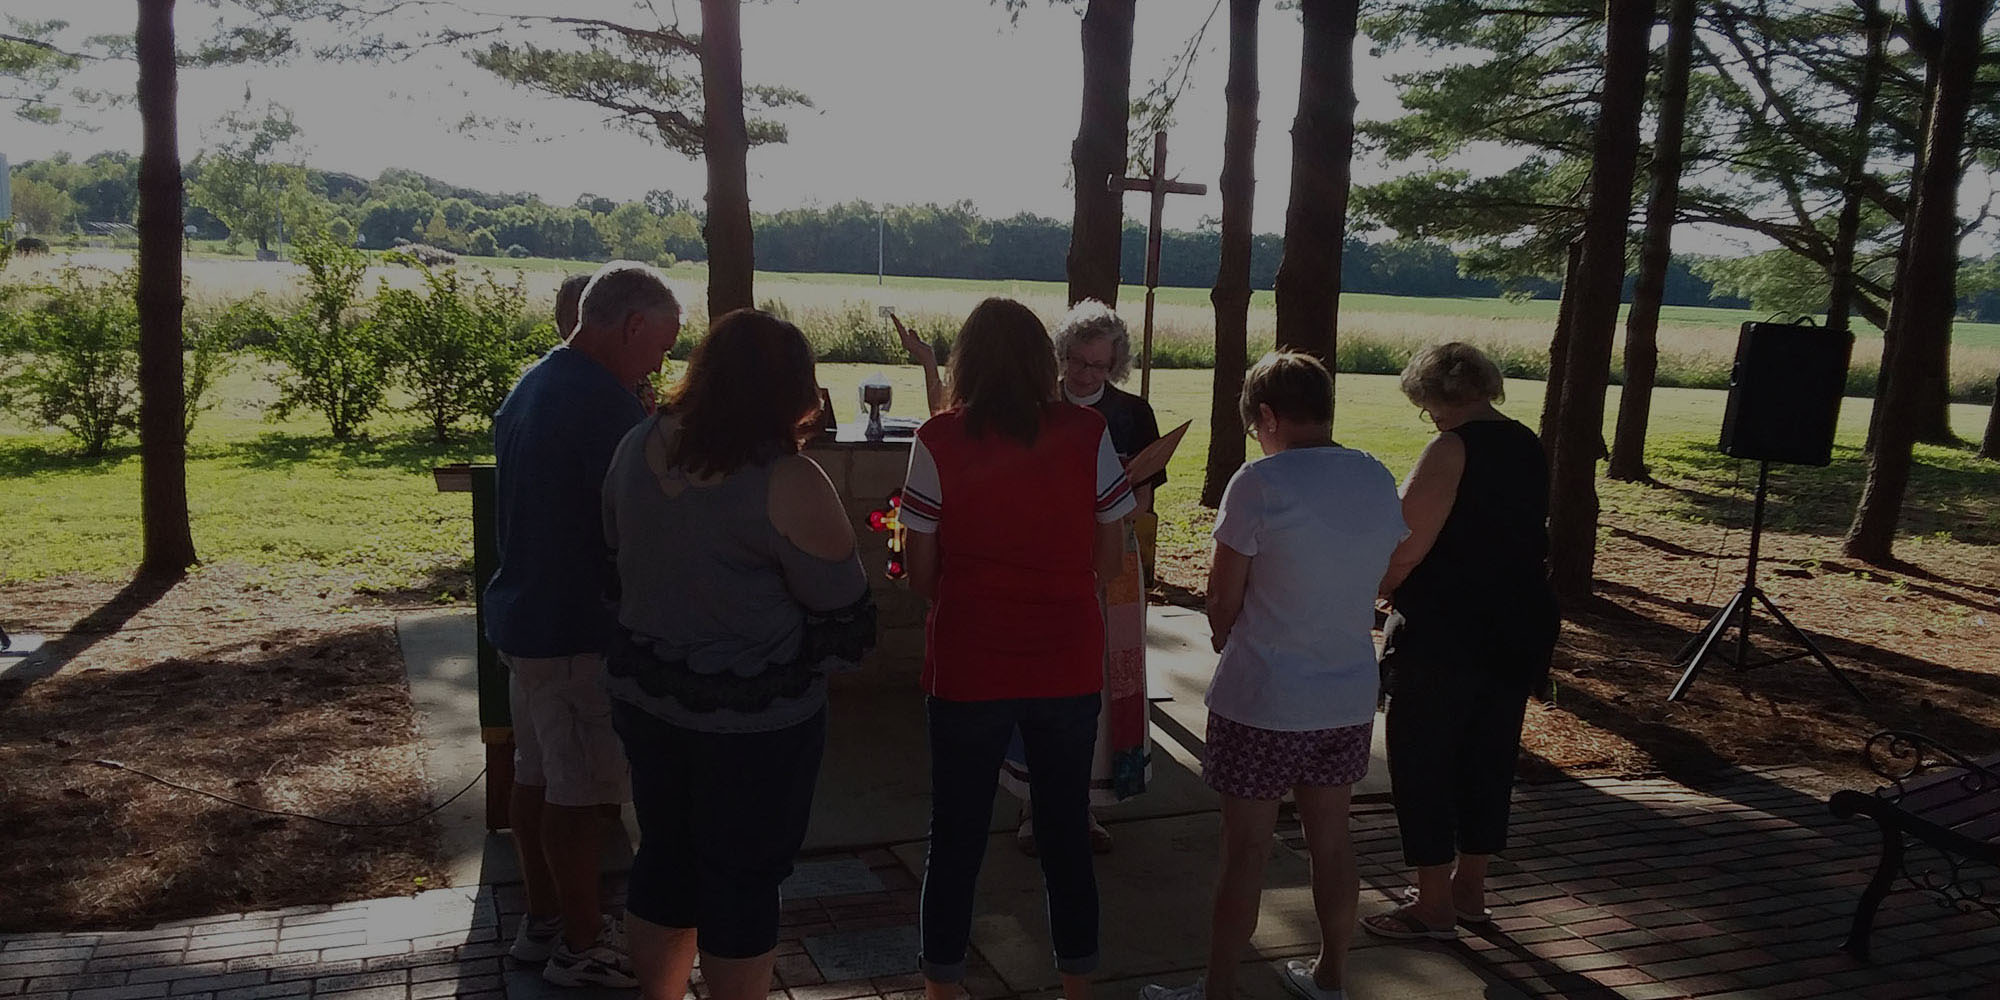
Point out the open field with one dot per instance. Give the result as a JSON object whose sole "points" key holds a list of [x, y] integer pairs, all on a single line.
{"points": [[1697, 343]]}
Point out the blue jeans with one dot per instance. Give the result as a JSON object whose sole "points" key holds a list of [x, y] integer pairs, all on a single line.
{"points": [[968, 739]]}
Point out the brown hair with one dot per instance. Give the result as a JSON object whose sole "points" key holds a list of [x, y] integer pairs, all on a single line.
{"points": [[1295, 386], [1456, 374], [749, 395], [569, 296], [1003, 370]]}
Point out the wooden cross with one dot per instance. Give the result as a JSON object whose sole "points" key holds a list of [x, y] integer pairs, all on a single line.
{"points": [[1160, 187]]}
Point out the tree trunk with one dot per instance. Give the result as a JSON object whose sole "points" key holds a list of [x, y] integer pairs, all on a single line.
{"points": [[726, 149], [1989, 446], [1559, 349], [1891, 336], [163, 503], [1933, 414], [1642, 323], [1922, 311], [1594, 318], [1098, 153], [1231, 296], [1840, 300], [1308, 283]]}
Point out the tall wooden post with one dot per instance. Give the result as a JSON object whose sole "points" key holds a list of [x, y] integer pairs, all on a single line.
{"points": [[1160, 187]]}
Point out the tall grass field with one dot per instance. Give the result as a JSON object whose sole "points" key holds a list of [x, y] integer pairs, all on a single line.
{"points": [[1378, 333]]}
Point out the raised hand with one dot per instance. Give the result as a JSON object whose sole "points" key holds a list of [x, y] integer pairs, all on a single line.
{"points": [[920, 351]]}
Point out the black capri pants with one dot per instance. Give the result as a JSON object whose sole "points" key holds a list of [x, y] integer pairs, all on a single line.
{"points": [[721, 817], [1454, 736]]}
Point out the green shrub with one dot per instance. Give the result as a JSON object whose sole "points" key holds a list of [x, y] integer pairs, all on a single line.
{"points": [[516, 251], [206, 342], [333, 360], [246, 323], [855, 334], [454, 342], [482, 244], [77, 360]]}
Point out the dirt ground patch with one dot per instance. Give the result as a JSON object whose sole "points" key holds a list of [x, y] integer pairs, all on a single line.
{"points": [[1921, 641], [285, 702]]}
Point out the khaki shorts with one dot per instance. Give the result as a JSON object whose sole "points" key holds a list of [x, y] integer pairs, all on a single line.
{"points": [[563, 740]]}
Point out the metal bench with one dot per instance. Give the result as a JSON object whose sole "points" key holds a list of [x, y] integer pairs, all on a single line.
{"points": [[1937, 798]]}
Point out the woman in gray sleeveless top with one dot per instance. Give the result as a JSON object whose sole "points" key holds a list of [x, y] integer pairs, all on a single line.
{"points": [[739, 589]]}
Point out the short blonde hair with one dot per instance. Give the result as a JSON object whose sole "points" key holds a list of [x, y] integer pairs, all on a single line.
{"points": [[1295, 385], [1087, 322], [1453, 374]]}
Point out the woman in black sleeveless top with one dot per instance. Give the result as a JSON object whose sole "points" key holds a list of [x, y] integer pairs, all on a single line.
{"points": [[1469, 638]]}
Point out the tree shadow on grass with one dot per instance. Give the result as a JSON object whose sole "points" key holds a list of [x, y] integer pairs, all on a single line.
{"points": [[446, 582], [1949, 491], [305, 721], [411, 452], [23, 459]]}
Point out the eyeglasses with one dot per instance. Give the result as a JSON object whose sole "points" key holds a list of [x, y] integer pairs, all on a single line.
{"points": [[1073, 362]]}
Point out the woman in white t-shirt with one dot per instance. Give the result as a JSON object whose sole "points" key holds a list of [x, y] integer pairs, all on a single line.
{"points": [[1301, 542]]}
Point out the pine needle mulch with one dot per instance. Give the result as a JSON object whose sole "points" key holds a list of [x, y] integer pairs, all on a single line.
{"points": [[280, 700]]}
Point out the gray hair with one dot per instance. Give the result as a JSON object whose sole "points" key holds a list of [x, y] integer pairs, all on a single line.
{"points": [[1088, 322], [1452, 374], [621, 288]]}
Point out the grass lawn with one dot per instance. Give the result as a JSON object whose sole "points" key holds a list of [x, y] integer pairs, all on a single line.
{"points": [[302, 509]]}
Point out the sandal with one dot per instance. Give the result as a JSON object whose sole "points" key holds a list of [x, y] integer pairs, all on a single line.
{"points": [[1400, 924], [1484, 916]]}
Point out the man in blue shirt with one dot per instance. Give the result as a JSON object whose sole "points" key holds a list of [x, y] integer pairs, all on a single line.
{"points": [[549, 613]]}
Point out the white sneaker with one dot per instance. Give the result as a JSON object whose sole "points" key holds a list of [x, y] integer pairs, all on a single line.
{"points": [[1299, 979], [536, 937], [1192, 991], [604, 963]]}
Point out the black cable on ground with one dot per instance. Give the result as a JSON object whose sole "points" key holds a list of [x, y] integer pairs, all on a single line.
{"points": [[170, 783]]}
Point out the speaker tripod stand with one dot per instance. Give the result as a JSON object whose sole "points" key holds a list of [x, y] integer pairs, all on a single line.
{"points": [[1736, 613]]}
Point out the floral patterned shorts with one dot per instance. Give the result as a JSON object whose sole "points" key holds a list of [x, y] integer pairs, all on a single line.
{"points": [[1250, 763]]}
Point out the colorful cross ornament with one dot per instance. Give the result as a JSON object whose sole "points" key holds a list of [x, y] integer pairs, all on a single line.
{"points": [[888, 519]]}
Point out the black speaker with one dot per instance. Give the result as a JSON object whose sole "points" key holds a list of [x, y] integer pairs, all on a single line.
{"points": [[1784, 393]]}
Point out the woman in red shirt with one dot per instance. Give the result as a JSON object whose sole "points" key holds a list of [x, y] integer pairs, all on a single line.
{"points": [[1016, 505]]}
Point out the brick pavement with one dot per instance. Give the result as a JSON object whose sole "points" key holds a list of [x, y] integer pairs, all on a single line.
{"points": [[1612, 888], [1647, 889]]}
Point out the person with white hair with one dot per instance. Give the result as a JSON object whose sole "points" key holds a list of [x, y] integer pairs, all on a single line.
{"points": [[550, 615]]}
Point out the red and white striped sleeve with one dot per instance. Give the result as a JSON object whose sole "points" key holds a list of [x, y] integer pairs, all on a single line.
{"points": [[1114, 492], [923, 495]]}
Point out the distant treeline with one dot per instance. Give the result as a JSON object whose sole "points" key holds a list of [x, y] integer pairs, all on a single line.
{"points": [[954, 241], [59, 193]]}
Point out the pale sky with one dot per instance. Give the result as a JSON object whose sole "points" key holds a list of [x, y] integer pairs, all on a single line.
{"points": [[917, 100]]}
